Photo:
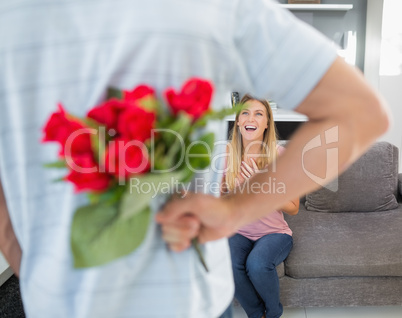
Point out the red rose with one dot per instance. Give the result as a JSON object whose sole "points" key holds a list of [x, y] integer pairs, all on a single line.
{"points": [[108, 112], [124, 158], [85, 174], [78, 143], [58, 127], [136, 123], [194, 97], [139, 92], [67, 132]]}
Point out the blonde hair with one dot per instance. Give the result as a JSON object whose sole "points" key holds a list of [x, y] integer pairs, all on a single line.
{"points": [[236, 148]]}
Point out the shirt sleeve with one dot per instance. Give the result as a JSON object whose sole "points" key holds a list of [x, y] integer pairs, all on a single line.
{"points": [[284, 57]]}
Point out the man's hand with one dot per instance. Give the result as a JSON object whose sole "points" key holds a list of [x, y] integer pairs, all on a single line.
{"points": [[178, 234], [196, 215]]}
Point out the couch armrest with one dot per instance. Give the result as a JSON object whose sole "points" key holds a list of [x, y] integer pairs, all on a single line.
{"points": [[400, 184]]}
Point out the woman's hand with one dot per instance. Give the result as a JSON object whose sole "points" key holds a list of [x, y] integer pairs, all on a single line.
{"points": [[248, 171]]}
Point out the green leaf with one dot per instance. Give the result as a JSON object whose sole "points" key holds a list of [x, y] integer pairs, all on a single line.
{"points": [[114, 93], [180, 126], [111, 196], [209, 139], [158, 155], [200, 151], [165, 121], [98, 137], [144, 188], [59, 179], [77, 119], [99, 235], [92, 123], [57, 164], [98, 145], [180, 130], [150, 104], [196, 246], [94, 198]]}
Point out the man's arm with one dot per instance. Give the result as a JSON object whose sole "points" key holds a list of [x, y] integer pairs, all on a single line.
{"points": [[345, 117], [9, 245]]}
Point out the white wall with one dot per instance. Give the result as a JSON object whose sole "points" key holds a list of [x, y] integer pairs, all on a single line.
{"points": [[383, 60], [5, 270], [391, 68], [3, 263]]}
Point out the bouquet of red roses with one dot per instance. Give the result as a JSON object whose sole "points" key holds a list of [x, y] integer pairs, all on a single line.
{"points": [[132, 137]]}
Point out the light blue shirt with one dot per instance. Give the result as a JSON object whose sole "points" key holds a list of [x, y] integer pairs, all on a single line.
{"points": [[70, 51]]}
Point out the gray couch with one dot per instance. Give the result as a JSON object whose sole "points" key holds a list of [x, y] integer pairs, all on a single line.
{"points": [[348, 244]]}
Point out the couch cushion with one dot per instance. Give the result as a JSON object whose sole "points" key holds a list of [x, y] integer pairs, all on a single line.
{"points": [[370, 184], [280, 270], [345, 244]]}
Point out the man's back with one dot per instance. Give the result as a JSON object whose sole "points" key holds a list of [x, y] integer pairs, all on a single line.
{"points": [[70, 52]]}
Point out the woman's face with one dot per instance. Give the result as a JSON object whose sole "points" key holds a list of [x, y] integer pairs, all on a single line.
{"points": [[253, 120]]}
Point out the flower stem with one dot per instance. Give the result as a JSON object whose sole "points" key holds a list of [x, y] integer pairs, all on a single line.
{"points": [[196, 246]]}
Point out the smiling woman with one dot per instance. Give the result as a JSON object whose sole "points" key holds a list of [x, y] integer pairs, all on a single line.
{"points": [[253, 121], [253, 138], [286, 121], [259, 247]]}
